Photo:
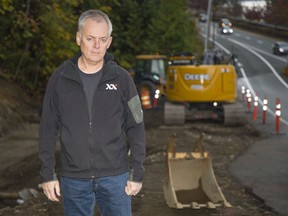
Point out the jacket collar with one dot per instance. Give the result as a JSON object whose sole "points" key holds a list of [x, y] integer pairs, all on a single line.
{"points": [[110, 69]]}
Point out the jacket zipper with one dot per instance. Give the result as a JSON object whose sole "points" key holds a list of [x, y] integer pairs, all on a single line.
{"points": [[90, 146], [90, 140]]}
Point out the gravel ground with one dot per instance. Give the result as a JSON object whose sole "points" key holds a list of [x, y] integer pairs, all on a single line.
{"points": [[223, 143]]}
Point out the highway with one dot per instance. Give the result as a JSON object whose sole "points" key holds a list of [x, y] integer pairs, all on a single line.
{"points": [[258, 69], [262, 168]]}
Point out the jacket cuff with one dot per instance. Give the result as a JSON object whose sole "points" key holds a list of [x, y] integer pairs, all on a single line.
{"points": [[134, 178], [54, 178]]}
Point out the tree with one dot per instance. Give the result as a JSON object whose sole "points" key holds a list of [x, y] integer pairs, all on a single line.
{"points": [[37, 36], [237, 9], [254, 14], [277, 12], [171, 29]]}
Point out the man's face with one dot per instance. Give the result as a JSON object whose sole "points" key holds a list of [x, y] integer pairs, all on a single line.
{"points": [[94, 40]]}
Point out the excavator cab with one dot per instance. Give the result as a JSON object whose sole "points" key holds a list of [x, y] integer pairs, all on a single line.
{"points": [[149, 77]]}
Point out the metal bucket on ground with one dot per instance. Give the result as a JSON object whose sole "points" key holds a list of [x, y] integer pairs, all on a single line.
{"points": [[190, 181]]}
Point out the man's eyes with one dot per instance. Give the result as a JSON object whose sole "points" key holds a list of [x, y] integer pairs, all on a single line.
{"points": [[101, 40]]}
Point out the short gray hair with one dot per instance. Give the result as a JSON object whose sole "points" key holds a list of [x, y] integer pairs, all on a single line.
{"points": [[97, 16]]}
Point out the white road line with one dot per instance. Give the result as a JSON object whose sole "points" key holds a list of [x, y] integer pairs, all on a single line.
{"points": [[249, 84], [259, 41], [244, 74], [263, 59], [269, 54], [223, 48], [246, 80]]}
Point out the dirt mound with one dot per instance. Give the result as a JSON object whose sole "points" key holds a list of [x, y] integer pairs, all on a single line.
{"points": [[223, 143], [16, 106]]}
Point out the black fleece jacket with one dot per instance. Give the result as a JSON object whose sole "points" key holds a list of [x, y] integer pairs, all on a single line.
{"points": [[97, 145]]}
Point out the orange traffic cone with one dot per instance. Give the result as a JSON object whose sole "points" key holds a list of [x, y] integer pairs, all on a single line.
{"points": [[145, 98]]}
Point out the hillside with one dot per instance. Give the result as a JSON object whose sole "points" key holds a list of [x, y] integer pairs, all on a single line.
{"points": [[20, 164], [16, 106]]}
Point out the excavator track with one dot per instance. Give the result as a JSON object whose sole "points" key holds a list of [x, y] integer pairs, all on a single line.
{"points": [[174, 113], [234, 114]]}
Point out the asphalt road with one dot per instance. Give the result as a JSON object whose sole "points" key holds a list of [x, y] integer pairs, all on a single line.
{"points": [[263, 167], [259, 70]]}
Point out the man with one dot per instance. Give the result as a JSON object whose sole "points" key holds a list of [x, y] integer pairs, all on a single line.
{"points": [[94, 105]]}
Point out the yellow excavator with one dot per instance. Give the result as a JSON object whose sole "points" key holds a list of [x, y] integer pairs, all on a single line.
{"points": [[191, 91], [205, 91], [197, 91]]}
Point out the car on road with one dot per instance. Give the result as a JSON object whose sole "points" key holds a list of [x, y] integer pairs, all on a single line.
{"points": [[202, 17], [280, 48], [224, 22], [226, 30]]}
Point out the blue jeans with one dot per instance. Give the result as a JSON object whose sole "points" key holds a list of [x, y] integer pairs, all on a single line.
{"points": [[80, 196]]}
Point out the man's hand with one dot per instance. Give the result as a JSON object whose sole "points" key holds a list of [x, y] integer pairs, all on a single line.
{"points": [[133, 188], [52, 190]]}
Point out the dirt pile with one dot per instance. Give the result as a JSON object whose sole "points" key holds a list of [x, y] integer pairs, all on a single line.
{"points": [[223, 143], [16, 106]]}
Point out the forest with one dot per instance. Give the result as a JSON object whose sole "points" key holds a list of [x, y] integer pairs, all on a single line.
{"points": [[38, 35]]}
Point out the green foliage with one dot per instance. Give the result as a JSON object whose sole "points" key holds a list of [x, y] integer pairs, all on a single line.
{"points": [[6, 6], [37, 36], [171, 29], [151, 26]]}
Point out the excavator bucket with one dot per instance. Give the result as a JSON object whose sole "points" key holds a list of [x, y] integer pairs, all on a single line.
{"points": [[190, 181]]}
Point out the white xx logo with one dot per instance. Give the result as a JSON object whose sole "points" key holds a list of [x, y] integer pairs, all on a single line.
{"points": [[111, 86]]}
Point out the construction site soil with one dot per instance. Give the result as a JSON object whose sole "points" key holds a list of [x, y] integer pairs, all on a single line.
{"points": [[223, 143]]}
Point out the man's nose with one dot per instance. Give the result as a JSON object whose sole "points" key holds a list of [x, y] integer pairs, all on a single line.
{"points": [[96, 43]]}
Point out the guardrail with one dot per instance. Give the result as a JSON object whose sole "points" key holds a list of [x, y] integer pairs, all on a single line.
{"points": [[277, 31]]}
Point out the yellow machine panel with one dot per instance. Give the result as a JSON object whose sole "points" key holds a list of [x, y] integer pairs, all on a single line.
{"points": [[204, 83], [286, 70]]}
